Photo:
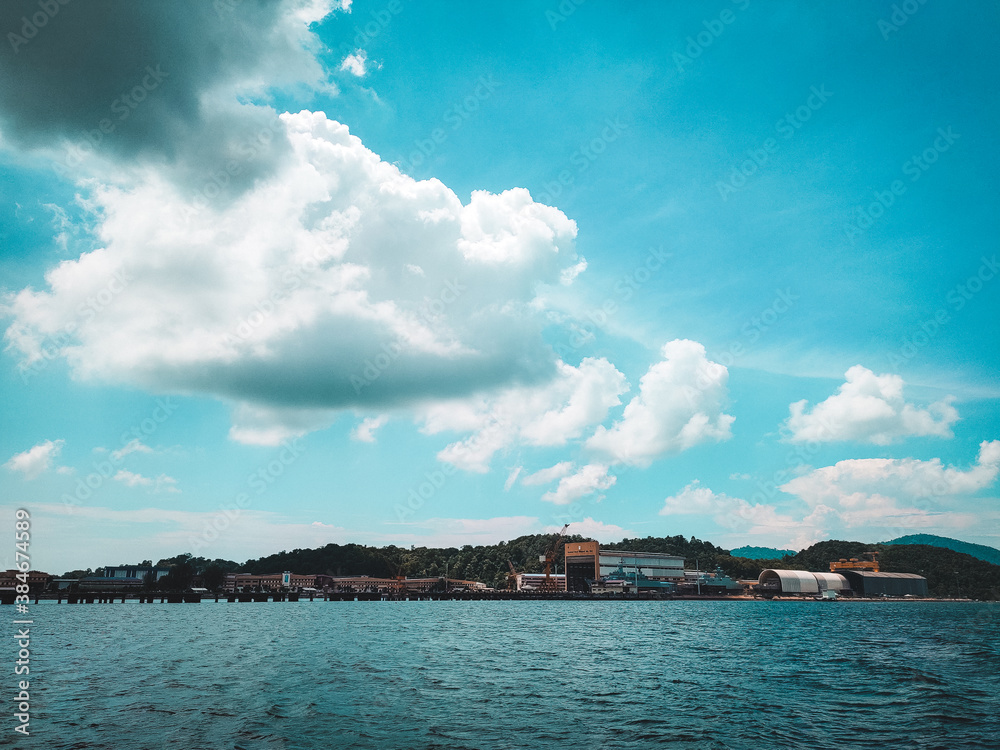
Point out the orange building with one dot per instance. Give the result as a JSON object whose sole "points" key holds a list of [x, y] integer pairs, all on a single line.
{"points": [[587, 562]]}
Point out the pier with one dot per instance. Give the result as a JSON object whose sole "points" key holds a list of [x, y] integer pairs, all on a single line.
{"points": [[164, 597]]}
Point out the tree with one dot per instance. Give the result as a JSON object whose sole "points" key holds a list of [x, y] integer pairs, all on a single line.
{"points": [[213, 577], [179, 578]]}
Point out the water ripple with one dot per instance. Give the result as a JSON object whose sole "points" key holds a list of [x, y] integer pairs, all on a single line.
{"points": [[607, 675]]}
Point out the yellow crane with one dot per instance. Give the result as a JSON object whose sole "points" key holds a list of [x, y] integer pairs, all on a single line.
{"points": [[869, 563]]}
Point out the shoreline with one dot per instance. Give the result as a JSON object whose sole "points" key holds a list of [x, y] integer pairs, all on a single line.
{"points": [[258, 598]]}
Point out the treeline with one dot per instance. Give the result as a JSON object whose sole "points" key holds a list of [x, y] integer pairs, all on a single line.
{"points": [[949, 573], [488, 563]]}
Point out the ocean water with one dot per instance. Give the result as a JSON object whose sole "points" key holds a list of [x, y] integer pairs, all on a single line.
{"points": [[747, 675]]}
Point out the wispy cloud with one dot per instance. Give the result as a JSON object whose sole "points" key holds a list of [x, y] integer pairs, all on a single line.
{"points": [[356, 63], [365, 432], [37, 460], [162, 483]]}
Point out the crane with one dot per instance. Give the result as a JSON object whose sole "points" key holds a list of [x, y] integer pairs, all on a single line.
{"points": [[549, 559], [512, 576]]}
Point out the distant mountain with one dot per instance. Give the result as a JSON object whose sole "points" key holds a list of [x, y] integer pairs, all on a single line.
{"points": [[979, 551], [761, 553]]}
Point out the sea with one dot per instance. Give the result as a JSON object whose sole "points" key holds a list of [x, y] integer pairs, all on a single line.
{"points": [[455, 675]]}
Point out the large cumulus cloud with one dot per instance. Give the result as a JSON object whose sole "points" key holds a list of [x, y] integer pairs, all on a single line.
{"points": [[336, 282], [105, 85], [680, 404], [869, 408]]}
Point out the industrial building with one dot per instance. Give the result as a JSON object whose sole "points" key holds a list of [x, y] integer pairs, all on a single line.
{"points": [[273, 581], [777, 582], [374, 585], [850, 582], [139, 572], [122, 578], [587, 563], [537, 581], [36, 580], [877, 583], [868, 580]]}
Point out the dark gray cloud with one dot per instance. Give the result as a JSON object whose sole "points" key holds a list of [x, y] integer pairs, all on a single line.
{"points": [[153, 81]]}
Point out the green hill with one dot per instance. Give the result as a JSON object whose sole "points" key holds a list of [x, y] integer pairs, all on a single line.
{"points": [[761, 553], [486, 563], [949, 572], [979, 551]]}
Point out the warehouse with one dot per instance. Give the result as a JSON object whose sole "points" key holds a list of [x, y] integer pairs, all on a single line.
{"points": [[801, 582], [536, 581], [871, 583], [586, 563]]}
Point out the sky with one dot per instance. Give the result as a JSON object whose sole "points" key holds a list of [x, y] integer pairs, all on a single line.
{"points": [[276, 275]]}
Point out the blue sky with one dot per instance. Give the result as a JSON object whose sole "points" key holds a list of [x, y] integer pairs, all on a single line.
{"points": [[278, 275]]}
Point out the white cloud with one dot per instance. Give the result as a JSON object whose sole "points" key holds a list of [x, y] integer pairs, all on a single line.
{"points": [[732, 513], [550, 414], [882, 498], [132, 446], [355, 63], [588, 480], [248, 533], [847, 482], [868, 500], [569, 274], [588, 527], [544, 476], [365, 432], [81, 535], [869, 408], [198, 65], [297, 296], [457, 532], [37, 460], [680, 404], [512, 478], [265, 425], [132, 480], [162, 483]]}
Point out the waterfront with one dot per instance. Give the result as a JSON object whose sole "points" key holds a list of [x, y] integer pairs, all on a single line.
{"points": [[740, 675]]}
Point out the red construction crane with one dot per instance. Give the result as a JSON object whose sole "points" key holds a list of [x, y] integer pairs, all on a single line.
{"points": [[512, 576], [549, 559]]}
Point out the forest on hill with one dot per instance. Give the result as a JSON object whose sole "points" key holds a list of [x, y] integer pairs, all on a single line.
{"points": [[979, 551], [761, 553], [949, 573]]}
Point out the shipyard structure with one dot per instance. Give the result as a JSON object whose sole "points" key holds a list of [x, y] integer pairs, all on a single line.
{"points": [[854, 577], [590, 571]]}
